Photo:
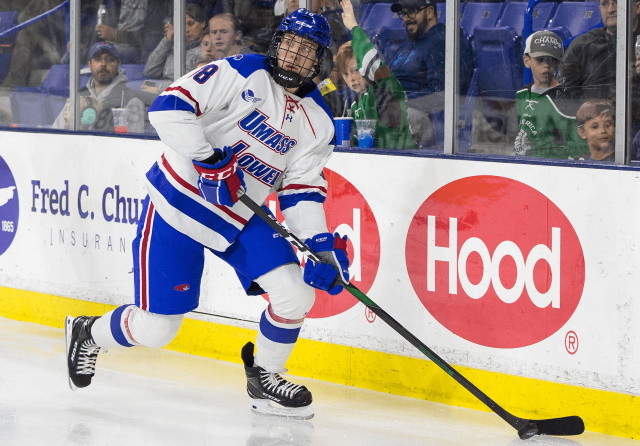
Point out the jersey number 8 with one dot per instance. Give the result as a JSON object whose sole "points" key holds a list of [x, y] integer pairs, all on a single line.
{"points": [[205, 73]]}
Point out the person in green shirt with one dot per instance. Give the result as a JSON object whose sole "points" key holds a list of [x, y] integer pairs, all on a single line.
{"points": [[380, 95], [546, 112]]}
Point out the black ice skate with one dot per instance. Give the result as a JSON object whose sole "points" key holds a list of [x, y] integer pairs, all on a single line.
{"points": [[273, 395], [82, 351]]}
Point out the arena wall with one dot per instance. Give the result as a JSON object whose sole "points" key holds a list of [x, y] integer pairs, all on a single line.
{"points": [[524, 276]]}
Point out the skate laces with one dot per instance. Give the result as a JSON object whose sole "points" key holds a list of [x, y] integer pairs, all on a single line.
{"points": [[276, 384], [87, 358]]}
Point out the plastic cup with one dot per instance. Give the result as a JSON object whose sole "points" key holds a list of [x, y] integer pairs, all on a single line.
{"points": [[366, 131], [120, 121], [343, 130]]}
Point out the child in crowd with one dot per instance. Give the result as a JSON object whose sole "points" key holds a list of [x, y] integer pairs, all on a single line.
{"points": [[597, 126], [546, 114], [379, 94]]}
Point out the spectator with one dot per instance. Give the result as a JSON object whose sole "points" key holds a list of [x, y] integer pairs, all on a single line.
{"points": [[419, 64], [589, 64], [546, 115], [258, 22], [105, 89], [597, 126], [35, 45], [226, 35], [160, 62], [131, 25], [380, 96], [281, 8], [128, 33], [331, 10], [588, 67], [206, 48]]}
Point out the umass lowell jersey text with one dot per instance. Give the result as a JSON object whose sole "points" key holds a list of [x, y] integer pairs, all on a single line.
{"points": [[281, 141]]}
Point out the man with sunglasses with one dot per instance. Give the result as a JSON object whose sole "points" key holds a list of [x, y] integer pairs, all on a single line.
{"points": [[419, 64]]}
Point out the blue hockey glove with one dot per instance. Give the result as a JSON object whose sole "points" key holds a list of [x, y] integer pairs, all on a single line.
{"points": [[333, 271], [220, 180]]}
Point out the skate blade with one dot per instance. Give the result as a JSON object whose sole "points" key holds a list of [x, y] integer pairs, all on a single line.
{"points": [[267, 407], [68, 328]]}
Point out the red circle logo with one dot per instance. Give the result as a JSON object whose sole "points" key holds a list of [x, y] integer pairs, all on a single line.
{"points": [[495, 261], [348, 213]]}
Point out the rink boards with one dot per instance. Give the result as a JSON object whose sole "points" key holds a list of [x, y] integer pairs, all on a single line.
{"points": [[525, 276]]}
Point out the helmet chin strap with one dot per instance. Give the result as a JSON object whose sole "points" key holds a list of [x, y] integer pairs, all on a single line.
{"points": [[289, 79]]}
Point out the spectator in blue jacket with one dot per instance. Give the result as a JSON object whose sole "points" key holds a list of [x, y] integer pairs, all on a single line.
{"points": [[419, 64]]}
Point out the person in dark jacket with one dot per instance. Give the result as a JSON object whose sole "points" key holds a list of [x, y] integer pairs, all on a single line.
{"points": [[419, 64]]}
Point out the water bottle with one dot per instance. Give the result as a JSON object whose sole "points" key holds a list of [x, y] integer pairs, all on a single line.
{"points": [[102, 11]]}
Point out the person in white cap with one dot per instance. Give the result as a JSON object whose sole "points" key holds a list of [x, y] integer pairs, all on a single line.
{"points": [[546, 115]]}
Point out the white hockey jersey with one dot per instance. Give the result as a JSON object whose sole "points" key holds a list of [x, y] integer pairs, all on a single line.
{"points": [[282, 143]]}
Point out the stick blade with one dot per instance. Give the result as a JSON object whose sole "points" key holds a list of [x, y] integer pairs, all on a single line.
{"points": [[563, 426]]}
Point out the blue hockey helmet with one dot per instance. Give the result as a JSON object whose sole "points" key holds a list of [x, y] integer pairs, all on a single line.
{"points": [[308, 25]]}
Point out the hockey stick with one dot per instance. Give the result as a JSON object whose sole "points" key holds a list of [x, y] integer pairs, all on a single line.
{"points": [[572, 425]]}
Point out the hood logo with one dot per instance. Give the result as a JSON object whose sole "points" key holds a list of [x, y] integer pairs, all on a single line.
{"points": [[248, 96]]}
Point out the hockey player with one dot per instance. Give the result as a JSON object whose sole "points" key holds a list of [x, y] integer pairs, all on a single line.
{"points": [[247, 123]]}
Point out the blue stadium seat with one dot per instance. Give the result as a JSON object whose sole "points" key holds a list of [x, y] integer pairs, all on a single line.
{"points": [[57, 80], [380, 16], [576, 17], [32, 109], [499, 58], [134, 72], [479, 14], [7, 20], [441, 11], [563, 33], [513, 15]]}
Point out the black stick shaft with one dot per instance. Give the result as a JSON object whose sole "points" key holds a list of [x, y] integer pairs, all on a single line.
{"points": [[557, 426]]}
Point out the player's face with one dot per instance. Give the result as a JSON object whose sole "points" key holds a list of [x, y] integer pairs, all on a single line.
{"points": [[297, 54], [104, 68], [353, 78], [599, 132], [193, 29], [223, 36], [543, 69]]}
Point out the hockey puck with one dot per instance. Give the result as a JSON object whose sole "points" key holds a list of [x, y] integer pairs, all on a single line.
{"points": [[528, 431]]}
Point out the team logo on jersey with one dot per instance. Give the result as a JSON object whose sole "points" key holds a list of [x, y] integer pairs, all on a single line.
{"points": [[182, 287], [248, 96], [255, 124]]}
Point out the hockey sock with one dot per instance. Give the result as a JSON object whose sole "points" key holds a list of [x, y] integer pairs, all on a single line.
{"points": [[109, 330], [276, 340]]}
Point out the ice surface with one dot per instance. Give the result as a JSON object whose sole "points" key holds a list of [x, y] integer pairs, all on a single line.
{"points": [[142, 396]]}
